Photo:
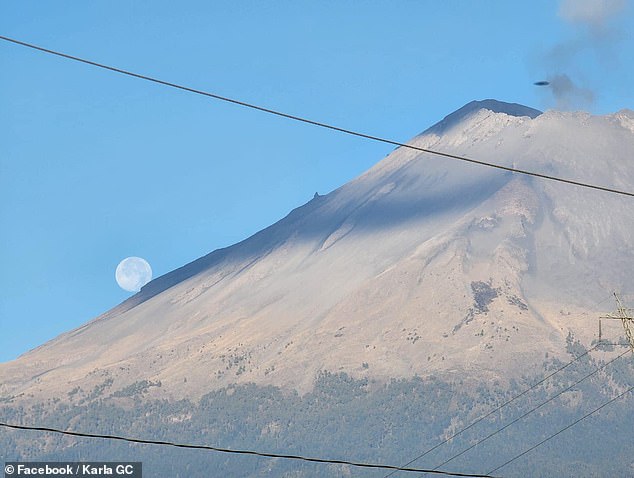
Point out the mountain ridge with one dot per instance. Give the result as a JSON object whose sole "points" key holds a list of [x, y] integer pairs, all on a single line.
{"points": [[494, 106], [172, 278], [419, 266]]}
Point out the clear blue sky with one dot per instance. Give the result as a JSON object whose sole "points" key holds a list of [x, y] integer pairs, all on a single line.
{"points": [[95, 167]]}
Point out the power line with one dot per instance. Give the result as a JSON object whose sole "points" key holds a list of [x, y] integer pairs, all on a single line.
{"points": [[495, 410], [313, 122], [425, 453], [530, 411], [563, 429], [240, 452]]}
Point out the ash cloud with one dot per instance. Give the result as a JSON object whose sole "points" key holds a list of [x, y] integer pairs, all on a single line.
{"points": [[593, 14], [567, 94], [594, 35]]}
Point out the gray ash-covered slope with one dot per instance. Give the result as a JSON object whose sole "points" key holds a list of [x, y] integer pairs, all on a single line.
{"points": [[422, 266]]}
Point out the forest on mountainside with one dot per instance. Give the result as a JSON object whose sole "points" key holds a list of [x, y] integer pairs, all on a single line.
{"points": [[356, 420]]}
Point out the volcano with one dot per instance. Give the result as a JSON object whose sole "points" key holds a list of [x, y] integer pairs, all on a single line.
{"points": [[422, 266]]}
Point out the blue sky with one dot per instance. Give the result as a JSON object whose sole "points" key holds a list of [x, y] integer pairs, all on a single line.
{"points": [[95, 167]]}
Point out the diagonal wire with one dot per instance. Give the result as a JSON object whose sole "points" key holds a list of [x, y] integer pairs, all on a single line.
{"points": [[239, 452], [563, 430], [508, 401], [497, 409], [531, 410], [316, 123]]}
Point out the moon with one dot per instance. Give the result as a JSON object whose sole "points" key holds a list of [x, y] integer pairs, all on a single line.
{"points": [[133, 273]]}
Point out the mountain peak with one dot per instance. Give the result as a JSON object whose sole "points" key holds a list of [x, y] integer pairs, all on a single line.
{"points": [[420, 266], [495, 106]]}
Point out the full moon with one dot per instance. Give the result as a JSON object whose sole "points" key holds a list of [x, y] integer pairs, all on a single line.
{"points": [[133, 273]]}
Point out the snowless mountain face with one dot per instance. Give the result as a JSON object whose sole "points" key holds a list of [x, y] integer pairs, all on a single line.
{"points": [[423, 266]]}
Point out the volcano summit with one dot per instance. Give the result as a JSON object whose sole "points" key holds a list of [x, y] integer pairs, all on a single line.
{"points": [[422, 265], [467, 280]]}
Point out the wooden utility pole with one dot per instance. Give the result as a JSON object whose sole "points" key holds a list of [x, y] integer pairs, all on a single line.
{"points": [[625, 316]]}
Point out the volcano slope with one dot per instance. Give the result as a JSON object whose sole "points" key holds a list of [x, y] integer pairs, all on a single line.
{"points": [[378, 318]]}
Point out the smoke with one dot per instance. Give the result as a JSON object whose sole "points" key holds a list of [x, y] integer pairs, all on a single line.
{"points": [[593, 14], [594, 40], [567, 94]]}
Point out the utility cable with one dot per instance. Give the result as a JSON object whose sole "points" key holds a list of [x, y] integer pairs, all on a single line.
{"points": [[316, 123], [425, 453], [531, 410], [239, 452], [508, 401], [563, 430]]}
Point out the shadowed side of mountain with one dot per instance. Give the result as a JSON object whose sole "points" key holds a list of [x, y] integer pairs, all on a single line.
{"points": [[250, 249], [319, 217]]}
